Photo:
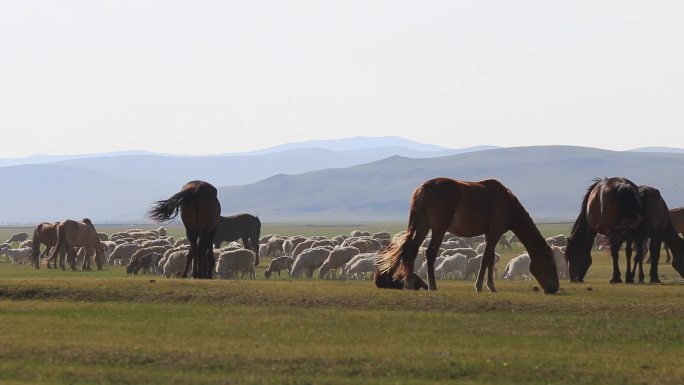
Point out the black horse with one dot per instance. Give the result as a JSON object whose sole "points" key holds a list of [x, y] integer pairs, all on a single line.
{"points": [[659, 228], [200, 211], [242, 226], [612, 207]]}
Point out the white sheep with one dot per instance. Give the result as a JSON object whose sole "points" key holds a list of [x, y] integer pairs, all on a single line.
{"points": [[561, 262], [287, 247], [518, 267], [422, 270], [352, 261], [278, 264], [337, 259], [455, 264], [308, 261], [230, 263], [362, 266], [474, 265], [123, 253], [17, 255], [175, 263], [467, 251]]}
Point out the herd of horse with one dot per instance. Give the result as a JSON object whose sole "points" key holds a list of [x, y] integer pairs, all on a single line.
{"points": [[615, 207]]}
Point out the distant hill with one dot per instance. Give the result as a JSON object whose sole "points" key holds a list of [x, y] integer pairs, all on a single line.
{"points": [[549, 180], [659, 149]]}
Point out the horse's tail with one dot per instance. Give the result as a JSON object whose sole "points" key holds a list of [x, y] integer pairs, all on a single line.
{"points": [[168, 209], [581, 223], [396, 260]]}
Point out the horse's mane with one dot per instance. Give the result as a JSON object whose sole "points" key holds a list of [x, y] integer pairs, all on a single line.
{"points": [[628, 197], [581, 218]]}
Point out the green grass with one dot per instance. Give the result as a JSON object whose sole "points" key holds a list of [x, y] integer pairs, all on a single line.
{"points": [[105, 327]]}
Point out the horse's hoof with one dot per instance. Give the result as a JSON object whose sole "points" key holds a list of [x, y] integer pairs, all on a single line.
{"points": [[656, 280], [616, 280]]}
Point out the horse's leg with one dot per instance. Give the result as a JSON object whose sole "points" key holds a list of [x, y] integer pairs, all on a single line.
{"points": [[615, 253], [191, 255], [211, 260], [667, 252], [639, 259], [431, 256], [411, 251], [488, 260], [654, 250], [71, 257], [629, 273]]}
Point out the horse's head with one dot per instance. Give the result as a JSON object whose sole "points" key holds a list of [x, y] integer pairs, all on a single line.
{"points": [[543, 268], [578, 259], [678, 264], [267, 274]]}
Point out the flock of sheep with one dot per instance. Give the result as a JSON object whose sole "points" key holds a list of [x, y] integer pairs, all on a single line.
{"points": [[347, 257]]}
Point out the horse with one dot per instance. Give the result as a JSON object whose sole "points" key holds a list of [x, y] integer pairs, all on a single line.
{"points": [[611, 206], [46, 234], [242, 226], [71, 234], [659, 227], [200, 211], [467, 209]]}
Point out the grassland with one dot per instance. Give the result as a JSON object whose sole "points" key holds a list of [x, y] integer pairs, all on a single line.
{"points": [[104, 327]]}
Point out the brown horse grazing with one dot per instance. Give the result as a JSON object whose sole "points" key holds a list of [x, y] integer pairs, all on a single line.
{"points": [[659, 228], [72, 234], [44, 234], [200, 211], [467, 209], [242, 226], [611, 206], [386, 280]]}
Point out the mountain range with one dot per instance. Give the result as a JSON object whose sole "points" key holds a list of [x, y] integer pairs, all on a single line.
{"points": [[354, 180]]}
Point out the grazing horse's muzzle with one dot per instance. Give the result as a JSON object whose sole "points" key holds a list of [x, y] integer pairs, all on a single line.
{"points": [[551, 289]]}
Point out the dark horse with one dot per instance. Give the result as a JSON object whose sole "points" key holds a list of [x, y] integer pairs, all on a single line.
{"points": [[242, 226], [46, 234], [467, 209], [612, 207], [659, 227], [200, 211]]}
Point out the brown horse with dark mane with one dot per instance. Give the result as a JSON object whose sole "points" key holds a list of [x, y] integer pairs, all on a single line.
{"points": [[242, 226], [467, 209], [44, 234], [659, 227], [200, 211], [612, 207], [72, 234]]}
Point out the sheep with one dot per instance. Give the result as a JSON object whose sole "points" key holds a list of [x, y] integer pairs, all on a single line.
{"points": [[181, 241], [452, 264], [17, 255], [381, 235], [287, 247], [18, 237], [467, 251], [175, 263], [103, 236], [362, 266], [359, 233], [453, 244], [518, 267], [561, 262], [122, 252], [274, 247], [474, 265], [308, 261], [337, 259], [277, 264], [422, 270], [143, 262], [155, 242], [557, 240], [134, 259], [323, 243], [301, 247], [343, 272], [26, 243], [339, 239], [297, 239], [161, 230], [229, 263]]}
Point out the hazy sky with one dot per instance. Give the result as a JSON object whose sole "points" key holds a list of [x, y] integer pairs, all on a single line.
{"points": [[223, 76]]}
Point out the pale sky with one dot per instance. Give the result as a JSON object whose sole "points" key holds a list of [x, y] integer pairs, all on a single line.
{"points": [[199, 77]]}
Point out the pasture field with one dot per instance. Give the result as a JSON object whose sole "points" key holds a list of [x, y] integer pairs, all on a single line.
{"points": [[105, 327]]}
